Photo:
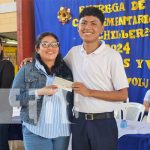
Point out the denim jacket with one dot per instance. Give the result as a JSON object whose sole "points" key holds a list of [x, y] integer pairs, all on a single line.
{"points": [[27, 80]]}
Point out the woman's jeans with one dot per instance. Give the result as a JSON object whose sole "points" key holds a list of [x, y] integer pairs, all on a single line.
{"points": [[35, 142]]}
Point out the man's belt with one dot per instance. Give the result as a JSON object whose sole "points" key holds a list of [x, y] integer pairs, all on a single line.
{"points": [[93, 116]]}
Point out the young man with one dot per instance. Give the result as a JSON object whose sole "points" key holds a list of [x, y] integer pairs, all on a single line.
{"points": [[100, 84]]}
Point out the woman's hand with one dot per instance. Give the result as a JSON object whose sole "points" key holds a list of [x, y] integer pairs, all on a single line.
{"points": [[47, 90]]}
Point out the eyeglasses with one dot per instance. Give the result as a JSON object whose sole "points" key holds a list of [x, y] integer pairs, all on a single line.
{"points": [[46, 44]]}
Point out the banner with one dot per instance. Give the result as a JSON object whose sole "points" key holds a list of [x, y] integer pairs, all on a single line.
{"points": [[127, 30]]}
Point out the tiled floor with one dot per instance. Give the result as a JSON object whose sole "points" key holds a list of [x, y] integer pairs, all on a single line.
{"points": [[16, 145]]}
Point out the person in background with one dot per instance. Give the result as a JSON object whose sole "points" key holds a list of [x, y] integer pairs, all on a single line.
{"points": [[146, 101], [45, 108], [6, 78], [100, 83]]}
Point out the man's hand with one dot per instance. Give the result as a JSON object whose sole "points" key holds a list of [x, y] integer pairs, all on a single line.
{"points": [[81, 89], [26, 60]]}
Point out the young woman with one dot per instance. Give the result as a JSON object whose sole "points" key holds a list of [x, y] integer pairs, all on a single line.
{"points": [[45, 109]]}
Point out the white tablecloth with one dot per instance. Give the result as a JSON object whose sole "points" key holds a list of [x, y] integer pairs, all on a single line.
{"points": [[133, 127]]}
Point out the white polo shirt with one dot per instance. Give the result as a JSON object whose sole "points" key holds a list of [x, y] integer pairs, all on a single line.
{"points": [[101, 70]]}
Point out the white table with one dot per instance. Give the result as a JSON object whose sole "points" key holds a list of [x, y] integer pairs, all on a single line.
{"points": [[133, 127]]}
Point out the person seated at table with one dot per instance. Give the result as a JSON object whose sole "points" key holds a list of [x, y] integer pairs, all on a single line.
{"points": [[146, 101], [6, 79]]}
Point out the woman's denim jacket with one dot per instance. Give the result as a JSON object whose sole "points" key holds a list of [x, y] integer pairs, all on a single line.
{"points": [[28, 79]]}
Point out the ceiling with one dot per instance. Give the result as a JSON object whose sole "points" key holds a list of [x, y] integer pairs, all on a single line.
{"points": [[9, 35]]}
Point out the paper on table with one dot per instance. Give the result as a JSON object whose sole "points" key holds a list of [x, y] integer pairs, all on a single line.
{"points": [[62, 83]]}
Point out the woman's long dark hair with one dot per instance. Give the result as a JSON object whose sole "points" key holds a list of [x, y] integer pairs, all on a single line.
{"points": [[58, 61]]}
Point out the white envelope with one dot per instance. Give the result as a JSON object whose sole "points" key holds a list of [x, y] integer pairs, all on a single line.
{"points": [[63, 84]]}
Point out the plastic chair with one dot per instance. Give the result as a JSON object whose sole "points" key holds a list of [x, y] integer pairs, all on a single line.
{"points": [[130, 111], [118, 111]]}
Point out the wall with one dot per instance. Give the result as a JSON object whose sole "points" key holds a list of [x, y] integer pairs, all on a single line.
{"points": [[8, 20], [6, 1]]}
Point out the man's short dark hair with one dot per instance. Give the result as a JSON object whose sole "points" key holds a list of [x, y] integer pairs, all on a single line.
{"points": [[92, 11]]}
